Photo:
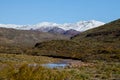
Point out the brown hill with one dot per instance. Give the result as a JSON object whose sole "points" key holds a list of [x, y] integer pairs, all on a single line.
{"points": [[100, 43], [17, 41], [25, 37]]}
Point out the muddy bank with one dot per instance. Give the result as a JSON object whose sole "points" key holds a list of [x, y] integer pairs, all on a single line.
{"points": [[75, 63], [67, 63]]}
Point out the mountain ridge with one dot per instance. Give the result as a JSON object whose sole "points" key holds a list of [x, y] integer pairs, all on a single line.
{"points": [[46, 26], [101, 43], [68, 29]]}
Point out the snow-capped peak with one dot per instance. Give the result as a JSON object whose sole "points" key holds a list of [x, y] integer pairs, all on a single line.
{"points": [[85, 25], [46, 26]]}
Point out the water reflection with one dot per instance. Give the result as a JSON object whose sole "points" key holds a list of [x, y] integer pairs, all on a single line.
{"points": [[55, 65]]}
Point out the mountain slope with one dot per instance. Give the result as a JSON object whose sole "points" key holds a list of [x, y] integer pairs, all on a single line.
{"points": [[71, 32], [25, 37], [101, 43], [104, 33]]}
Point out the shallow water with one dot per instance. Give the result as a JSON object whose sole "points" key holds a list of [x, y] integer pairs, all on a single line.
{"points": [[55, 65]]}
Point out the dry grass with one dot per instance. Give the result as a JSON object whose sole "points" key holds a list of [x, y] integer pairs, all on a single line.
{"points": [[16, 67]]}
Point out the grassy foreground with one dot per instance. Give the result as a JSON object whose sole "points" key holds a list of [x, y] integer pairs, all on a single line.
{"points": [[16, 67]]}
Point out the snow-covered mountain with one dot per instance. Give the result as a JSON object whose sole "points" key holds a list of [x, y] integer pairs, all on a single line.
{"points": [[57, 28]]}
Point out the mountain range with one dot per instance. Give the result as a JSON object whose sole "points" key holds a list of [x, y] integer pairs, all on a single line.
{"points": [[101, 43], [69, 29]]}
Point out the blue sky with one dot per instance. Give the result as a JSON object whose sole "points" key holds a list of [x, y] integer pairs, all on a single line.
{"points": [[59, 11]]}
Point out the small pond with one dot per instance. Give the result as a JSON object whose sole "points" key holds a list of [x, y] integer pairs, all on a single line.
{"points": [[55, 65]]}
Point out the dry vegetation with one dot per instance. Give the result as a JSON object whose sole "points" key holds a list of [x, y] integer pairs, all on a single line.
{"points": [[16, 67]]}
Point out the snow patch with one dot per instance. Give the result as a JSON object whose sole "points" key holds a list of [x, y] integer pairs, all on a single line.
{"points": [[46, 26]]}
